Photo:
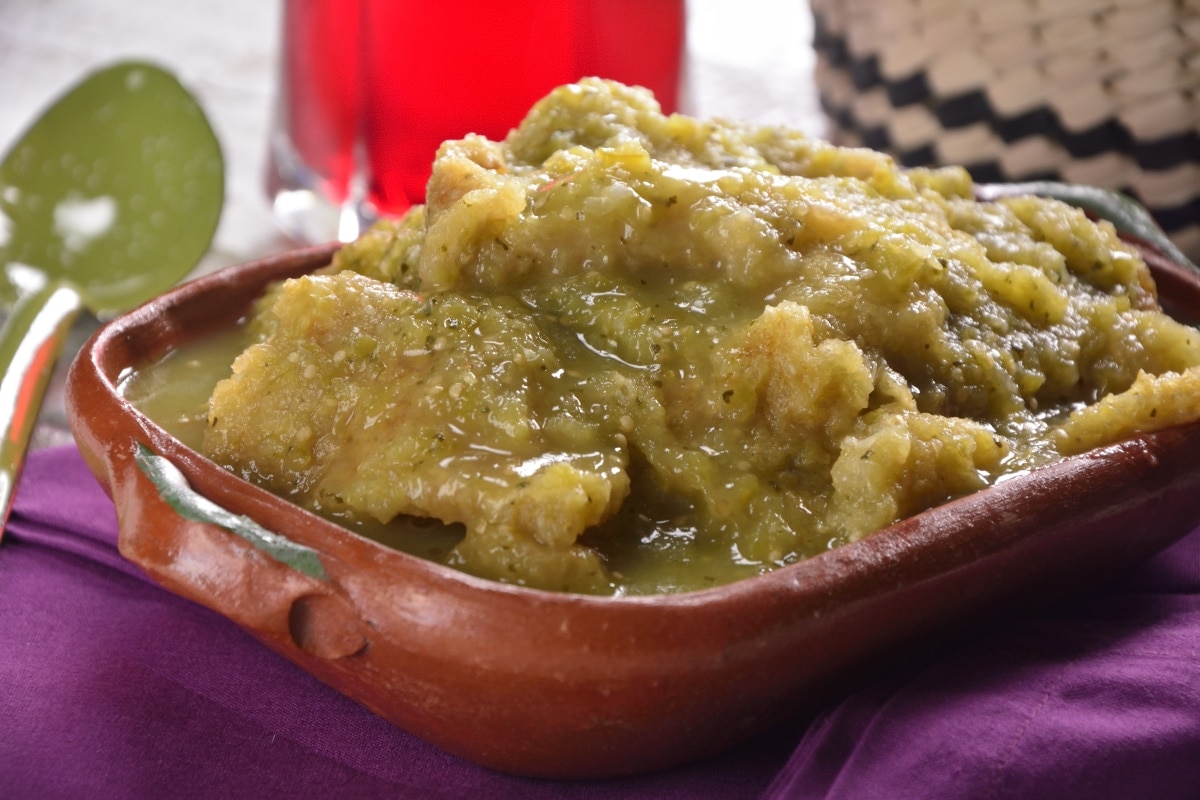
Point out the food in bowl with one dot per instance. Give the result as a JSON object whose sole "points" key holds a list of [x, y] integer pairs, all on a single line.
{"points": [[622, 352]]}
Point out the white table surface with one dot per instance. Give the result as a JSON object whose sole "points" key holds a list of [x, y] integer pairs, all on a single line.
{"points": [[750, 59]]}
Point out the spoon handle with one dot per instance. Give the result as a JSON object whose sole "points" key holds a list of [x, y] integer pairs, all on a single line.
{"points": [[30, 342]]}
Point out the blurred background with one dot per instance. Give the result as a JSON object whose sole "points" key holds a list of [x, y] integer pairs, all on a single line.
{"points": [[752, 59], [1104, 92]]}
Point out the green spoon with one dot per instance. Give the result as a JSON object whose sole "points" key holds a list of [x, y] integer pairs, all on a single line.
{"points": [[110, 198]]}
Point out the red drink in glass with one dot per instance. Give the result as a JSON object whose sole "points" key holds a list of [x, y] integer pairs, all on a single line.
{"points": [[371, 88]]}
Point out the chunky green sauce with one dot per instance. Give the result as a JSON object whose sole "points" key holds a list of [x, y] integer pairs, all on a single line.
{"points": [[624, 352]]}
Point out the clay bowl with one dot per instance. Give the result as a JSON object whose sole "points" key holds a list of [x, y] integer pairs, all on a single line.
{"points": [[555, 685]]}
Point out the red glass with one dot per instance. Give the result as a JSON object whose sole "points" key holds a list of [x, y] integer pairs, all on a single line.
{"points": [[370, 88]]}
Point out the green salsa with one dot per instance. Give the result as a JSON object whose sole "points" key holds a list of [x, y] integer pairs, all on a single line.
{"points": [[623, 352]]}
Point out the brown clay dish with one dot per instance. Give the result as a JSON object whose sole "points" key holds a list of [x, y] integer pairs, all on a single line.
{"points": [[558, 685]]}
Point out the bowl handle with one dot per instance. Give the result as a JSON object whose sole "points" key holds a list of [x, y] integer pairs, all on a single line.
{"points": [[276, 589]]}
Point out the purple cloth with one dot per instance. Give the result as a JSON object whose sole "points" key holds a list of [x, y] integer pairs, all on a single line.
{"points": [[111, 687]]}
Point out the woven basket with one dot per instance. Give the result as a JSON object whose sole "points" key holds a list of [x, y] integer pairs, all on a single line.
{"points": [[1098, 92]]}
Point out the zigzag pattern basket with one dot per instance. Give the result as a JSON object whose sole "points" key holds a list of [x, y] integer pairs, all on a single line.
{"points": [[1097, 92]]}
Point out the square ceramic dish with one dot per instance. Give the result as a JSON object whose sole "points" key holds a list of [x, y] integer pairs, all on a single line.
{"points": [[560, 685]]}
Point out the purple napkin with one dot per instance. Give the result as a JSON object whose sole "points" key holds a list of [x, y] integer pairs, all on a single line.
{"points": [[111, 687], [1099, 698]]}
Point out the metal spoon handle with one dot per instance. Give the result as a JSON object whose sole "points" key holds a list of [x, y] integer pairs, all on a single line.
{"points": [[30, 343]]}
